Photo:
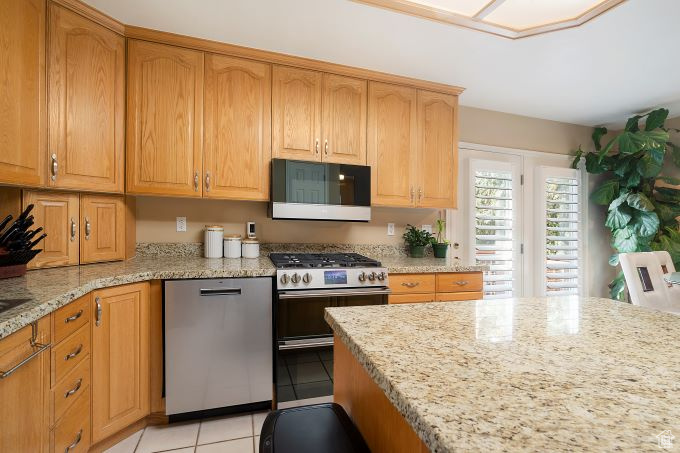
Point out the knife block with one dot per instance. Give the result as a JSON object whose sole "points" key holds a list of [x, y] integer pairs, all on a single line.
{"points": [[14, 270]]}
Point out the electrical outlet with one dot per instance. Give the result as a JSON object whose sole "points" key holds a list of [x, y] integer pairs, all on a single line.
{"points": [[427, 228], [181, 223], [390, 229]]}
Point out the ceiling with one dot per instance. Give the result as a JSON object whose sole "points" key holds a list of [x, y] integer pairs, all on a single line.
{"points": [[620, 63]]}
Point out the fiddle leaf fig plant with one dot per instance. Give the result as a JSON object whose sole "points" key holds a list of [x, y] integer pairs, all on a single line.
{"points": [[641, 215]]}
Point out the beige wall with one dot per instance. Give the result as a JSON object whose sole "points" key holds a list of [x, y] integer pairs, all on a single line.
{"points": [[156, 216]]}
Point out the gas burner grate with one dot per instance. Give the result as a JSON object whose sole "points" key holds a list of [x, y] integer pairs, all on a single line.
{"points": [[312, 260]]}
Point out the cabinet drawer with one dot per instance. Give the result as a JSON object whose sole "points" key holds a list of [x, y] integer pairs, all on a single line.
{"points": [[461, 295], [411, 298], [68, 390], [459, 281], [73, 430], [70, 318], [412, 283], [69, 353]]}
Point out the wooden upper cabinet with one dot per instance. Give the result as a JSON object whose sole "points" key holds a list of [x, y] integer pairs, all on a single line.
{"points": [[102, 228], [437, 150], [392, 144], [57, 214], [237, 128], [344, 120], [22, 92], [164, 119], [120, 358], [296, 114], [86, 106]]}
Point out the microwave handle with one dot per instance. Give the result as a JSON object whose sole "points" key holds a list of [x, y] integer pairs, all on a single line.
{"points": [[331, 293]]}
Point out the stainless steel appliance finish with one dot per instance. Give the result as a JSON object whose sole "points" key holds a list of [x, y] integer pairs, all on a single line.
{"points": [[320, 191], [218, 343]]}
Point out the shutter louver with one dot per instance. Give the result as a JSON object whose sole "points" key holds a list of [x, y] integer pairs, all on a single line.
{"points": [[561, 236], [494, 231]]}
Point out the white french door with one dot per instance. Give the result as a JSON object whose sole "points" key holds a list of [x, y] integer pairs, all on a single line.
{"points": [[520, 213]]}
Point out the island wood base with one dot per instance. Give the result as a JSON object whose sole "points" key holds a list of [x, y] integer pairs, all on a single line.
{"points": [[381, 425]]}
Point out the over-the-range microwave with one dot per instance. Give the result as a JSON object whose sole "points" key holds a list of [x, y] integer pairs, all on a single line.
{"points": [[320, 191]]}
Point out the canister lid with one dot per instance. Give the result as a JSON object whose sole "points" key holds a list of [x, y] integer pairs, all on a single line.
{"points": [[232, 237], [251, 241], [214, 227]]}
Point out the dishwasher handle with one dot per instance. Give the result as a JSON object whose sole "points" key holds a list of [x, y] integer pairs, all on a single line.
{"points": [[220, 291]]}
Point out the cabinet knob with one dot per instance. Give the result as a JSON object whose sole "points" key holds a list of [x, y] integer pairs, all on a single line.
{"points": [[55, 167]]}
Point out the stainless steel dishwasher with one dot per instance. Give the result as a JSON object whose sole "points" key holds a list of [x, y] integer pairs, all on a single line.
{"points": [[218, 346]]}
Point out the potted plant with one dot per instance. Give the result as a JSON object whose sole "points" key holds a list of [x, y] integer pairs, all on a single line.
{"points": [[439, 244], [417, 240]]}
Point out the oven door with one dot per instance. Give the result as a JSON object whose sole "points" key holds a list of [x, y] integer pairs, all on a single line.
{"points": [[304, 341]]}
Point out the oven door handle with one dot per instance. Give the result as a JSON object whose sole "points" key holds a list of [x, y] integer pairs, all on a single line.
{"points": [[333, 293], [304, 344]]}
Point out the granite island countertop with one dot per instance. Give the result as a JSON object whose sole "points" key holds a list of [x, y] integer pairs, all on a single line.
{"points": [[543, 374], [44, 291]]}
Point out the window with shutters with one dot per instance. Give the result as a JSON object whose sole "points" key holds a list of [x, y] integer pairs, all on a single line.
{"points": [[521, 215]]}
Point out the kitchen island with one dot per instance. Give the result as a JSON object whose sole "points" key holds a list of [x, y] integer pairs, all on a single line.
{"points": [[538, 374]]}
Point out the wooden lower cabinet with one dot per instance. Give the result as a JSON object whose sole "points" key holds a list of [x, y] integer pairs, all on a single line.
{"points": [[24, 394], [120, 358], [439, 287], [72, 433]]}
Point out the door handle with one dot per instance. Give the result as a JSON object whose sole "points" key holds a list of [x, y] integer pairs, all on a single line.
{"points": [[461, 282], [196, 181], [420, 194], [410, 284], [74, 353], [34, 344], [73, 230], [413, 194], [325, 147], [316, 146], [74, 389], [98, 312], [55, 167], [207, 181], [74, 317], [221, 292], [88, 228], [75, 443]]}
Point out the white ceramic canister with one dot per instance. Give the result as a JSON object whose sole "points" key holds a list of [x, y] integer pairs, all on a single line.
{"points": [[212, 242], [250, 248], [232, 246]]}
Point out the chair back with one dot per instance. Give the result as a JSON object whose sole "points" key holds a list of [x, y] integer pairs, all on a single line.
{"points": [[644, 279]]}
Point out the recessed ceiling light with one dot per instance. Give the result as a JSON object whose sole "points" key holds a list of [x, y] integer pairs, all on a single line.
{"points": [[509, 18]]}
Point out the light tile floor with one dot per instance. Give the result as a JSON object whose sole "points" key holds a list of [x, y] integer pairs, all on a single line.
{"points": [[230, 434]]}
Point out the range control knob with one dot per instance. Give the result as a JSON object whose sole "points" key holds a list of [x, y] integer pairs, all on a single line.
{"points": [[295, 278], [372, 276], [284, 279], [381, 276], [362, 277], [307, 277]]}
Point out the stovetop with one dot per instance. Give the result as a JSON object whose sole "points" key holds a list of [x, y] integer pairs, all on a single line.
{"points": [[328, 260]]}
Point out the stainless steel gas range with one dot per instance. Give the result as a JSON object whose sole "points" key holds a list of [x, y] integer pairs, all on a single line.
{"points": [[305, 285]]}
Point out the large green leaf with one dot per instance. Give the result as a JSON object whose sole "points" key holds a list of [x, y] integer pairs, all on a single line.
{"points": [[596, 165], [675, 150], [631, 142], [577, 157], [606, 192], [668, 212], [614, 260], [604, 151], [640, 202], [616, 287], [618, 201], [621, 165], [646, 223], [656, 119], [598, 133], [618, 218], [625, 240], [648, 166], [633, 123], [668, 194], [653, 139], [670, 242]]}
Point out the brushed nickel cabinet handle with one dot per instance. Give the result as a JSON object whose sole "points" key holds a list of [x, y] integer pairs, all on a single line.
{"points": [[413, 194], [98, 312], [73, 229], [74, 353], [74, 317], [74, 389], [34, 344], [55, 167], [316, 146], [325, 147], [461, 282], [88, 228], [410, 284], [75, 443], [196, 181], [420, 194], [207, 181]]}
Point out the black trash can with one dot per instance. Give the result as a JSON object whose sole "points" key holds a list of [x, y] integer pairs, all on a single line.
{"points": [[321, 428]]}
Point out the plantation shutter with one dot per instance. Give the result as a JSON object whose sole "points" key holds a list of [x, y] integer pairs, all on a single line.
{"points": [[560, 238], [496, 242]]}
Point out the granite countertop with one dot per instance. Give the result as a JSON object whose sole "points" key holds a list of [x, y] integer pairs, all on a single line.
{"points": [[544, 374], [46, 290]]}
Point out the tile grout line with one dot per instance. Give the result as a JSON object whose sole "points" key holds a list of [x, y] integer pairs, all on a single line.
{"points": [[138, 440]]}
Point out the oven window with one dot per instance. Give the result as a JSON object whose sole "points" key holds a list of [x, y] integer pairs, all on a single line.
{"points": [[354, 301], [302, 318]]}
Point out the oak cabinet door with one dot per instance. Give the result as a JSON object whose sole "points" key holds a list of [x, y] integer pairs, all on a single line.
{"points": [[392, 144], [437, 150], [296, 114], [164, 119], [57, 214], [102, 228], [24, 411], [344, 120], [86, 78], [237, 128], [120, 358], [22, 92]]}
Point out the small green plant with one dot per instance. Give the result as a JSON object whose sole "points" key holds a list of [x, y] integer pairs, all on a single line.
{"points": [[641, 215], [440, 227], [415, 237]]}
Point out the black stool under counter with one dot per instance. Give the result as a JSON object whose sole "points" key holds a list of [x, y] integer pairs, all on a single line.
{"points": [[321, 428]]}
